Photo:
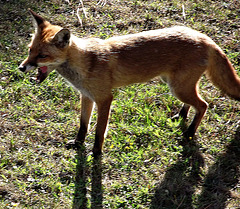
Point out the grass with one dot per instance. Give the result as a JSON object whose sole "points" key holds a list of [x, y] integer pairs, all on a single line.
{"points": [[145, 164]]}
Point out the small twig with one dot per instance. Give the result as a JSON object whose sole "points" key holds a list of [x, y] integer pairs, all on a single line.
{"points": [[84, 12], [183, 12], [79, 18], [102, 2]]}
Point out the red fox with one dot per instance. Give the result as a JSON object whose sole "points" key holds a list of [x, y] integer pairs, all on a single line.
{"points": [[179, 54]]}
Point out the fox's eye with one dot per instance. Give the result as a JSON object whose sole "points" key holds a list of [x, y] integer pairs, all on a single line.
{"points": [[42, 56]]}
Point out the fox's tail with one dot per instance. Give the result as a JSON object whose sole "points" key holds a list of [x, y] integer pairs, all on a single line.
{"points": [[222, 74]]}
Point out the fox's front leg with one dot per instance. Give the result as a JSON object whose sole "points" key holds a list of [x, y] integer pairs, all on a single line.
{"points": [[103, 108], [86, 111]]}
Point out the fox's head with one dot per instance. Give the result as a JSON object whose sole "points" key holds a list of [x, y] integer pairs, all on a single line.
{"points": [[47, 49]]}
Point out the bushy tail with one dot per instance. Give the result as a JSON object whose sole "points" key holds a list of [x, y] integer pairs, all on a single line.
{"points": [[222, 74]]}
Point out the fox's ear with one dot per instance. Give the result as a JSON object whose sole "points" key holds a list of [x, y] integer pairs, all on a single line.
{"points": [[39, 20], [61, 38]]}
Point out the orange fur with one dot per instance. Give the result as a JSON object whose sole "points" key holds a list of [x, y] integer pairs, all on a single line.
{"points": [[94, 66]]}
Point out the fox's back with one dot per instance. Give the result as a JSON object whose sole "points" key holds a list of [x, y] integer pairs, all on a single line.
{"points": [[142, 56]]}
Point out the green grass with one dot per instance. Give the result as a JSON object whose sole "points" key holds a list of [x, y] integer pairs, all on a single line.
{"points": [[146, 163]]}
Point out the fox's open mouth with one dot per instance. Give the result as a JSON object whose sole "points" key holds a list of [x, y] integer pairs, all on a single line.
{"points": [[42, 74]]}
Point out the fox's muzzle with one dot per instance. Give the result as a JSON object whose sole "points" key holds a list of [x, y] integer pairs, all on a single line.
{"points": [[42, 71], [26, 67]]}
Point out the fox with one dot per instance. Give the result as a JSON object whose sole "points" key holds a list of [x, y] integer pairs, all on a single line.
{"points": [[179, 55]]}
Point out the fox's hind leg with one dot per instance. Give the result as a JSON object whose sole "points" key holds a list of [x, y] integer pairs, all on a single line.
{"points": [[183, 113], [188, 94], [200, 109]]}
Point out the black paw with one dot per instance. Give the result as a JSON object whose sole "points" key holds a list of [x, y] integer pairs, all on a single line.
{"points": [[188, 135], [97, 153], [73, 144]]}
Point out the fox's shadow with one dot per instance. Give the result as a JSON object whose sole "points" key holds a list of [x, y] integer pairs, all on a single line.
{"points": [[181, 179], [80, 200], [222, 177], [180, 182], [177, 188], [80, 195]]}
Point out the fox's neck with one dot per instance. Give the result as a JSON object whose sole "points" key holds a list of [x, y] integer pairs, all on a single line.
{"points": [[74, 69], [73, 60]]}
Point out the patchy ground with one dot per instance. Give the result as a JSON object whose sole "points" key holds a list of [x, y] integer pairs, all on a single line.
{"points": [[146, 164]]}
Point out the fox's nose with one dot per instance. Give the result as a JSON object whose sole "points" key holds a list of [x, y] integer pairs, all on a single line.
{"points": [[22, 68]]}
